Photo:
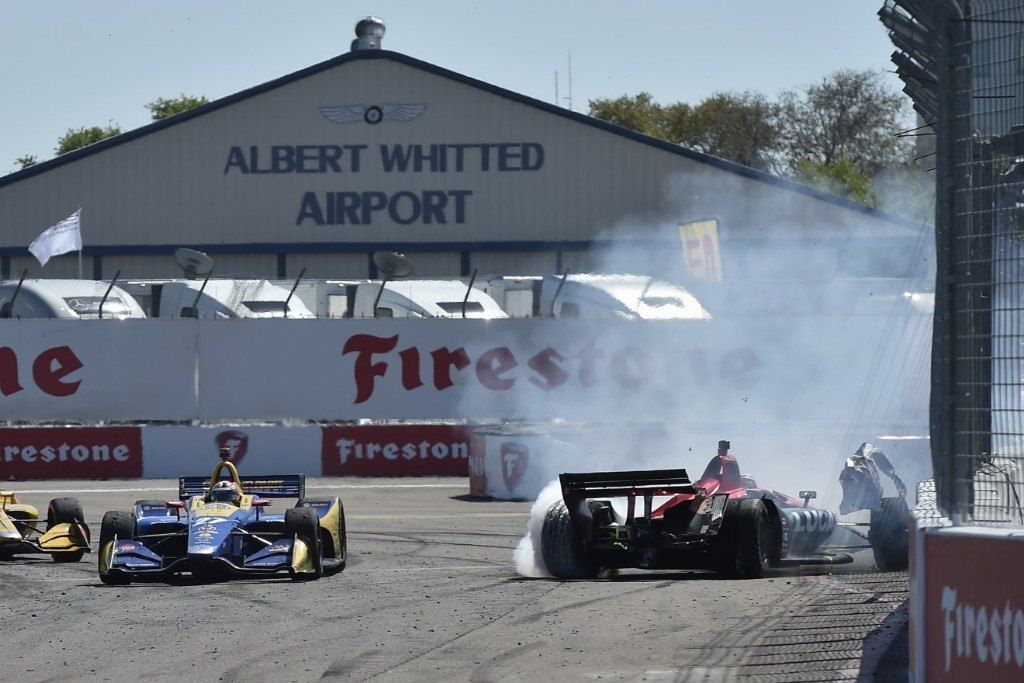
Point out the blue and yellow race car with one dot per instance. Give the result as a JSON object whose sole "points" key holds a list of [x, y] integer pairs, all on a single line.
{"points": [[219, 527]]}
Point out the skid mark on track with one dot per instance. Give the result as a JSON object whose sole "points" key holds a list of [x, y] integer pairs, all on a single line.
{"points": [[561, 609], [483, 673], [456, 638]]}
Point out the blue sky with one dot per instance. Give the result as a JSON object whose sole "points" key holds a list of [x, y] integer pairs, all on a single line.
{"points": [[68, 64]]}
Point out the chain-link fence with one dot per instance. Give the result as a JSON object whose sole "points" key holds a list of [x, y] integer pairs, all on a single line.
{"points": [[963, 66]]}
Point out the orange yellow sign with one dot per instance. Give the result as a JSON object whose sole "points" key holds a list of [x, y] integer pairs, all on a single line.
{"points": [[700, 249]]}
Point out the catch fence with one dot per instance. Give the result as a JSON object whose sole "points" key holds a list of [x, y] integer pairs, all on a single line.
{"points": [[963, 66]]}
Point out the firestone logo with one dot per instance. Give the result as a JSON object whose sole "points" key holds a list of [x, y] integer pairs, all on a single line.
{"points": [[987, 634], [439, 450], [514, 459], [236, 441], [50, 371]]}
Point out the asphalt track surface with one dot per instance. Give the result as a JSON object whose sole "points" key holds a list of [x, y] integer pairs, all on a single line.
{"points": [[431, 593]]}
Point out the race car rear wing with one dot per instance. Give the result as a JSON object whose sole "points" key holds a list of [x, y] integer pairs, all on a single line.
{"points": [[271, 486], [634, 483], [643, 484]]}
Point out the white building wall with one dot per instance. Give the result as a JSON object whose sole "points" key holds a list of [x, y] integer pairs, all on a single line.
{"points": [[513, 262], [329, 266]]}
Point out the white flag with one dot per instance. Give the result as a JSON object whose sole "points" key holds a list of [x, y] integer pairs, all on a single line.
{"points": [[60, 239]]}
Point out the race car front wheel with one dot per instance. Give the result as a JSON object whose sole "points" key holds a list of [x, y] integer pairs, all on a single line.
{"points": [[120, 525], [65, 511], [889, 535], [744, 544], [304, 523]]}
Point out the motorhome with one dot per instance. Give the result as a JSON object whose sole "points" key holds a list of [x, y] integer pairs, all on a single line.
{"points": [[68, 299]]}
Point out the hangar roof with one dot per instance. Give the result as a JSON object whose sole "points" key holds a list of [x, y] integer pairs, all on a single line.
{"points": [[722, 164]]}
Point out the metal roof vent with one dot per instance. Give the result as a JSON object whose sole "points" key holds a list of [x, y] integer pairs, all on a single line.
{"points": [[369, 32]]}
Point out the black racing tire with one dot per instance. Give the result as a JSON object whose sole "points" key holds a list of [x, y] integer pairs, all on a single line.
{"points": [[122, 525], [339, 554], [65, 511], [304, 523], [565, 556], [889, 535], [743, 547]]}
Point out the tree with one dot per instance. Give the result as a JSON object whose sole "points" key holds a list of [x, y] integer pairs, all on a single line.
{"points": [[640, 113], [27, 160], [742, 127], [162, 108], [850, 116], [81, 137], [841, 178], [737, 126]]}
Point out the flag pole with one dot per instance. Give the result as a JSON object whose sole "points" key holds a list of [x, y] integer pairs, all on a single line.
{"points": [[79, 264]]}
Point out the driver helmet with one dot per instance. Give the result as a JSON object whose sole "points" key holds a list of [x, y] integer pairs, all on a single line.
{"points": [[225, 492]]}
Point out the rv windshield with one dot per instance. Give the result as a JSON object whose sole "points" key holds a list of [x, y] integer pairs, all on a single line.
{"points": [[90, 305], [455, 307], [265, 306]]}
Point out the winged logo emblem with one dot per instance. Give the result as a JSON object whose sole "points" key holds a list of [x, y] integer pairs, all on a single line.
{"points": [[372, 114]]}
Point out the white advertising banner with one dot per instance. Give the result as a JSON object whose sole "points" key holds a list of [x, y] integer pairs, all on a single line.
{"points": [[185, 450], [85, 370], [535, 369], [694, 374]]}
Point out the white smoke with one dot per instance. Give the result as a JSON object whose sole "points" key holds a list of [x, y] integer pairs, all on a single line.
{"points": [[843, 353], [528, 556]]}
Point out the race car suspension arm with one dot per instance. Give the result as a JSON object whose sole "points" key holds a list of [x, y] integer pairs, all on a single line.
{"points": [[243, 532], [849, 526], [160, 537]]}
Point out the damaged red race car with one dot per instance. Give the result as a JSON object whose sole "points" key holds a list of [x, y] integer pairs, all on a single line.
{"points": [[724, 521]]}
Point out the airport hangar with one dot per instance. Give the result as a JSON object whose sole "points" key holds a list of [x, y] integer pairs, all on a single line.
{"points": [[376, 150]]}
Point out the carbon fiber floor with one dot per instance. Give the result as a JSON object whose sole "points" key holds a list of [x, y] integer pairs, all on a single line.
{"points": [[431, 594]]}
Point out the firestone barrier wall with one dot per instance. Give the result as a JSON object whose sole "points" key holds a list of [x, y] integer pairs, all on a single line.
{"points": [[966, 604], [155, 451]]}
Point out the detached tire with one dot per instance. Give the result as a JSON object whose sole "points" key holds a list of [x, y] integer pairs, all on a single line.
{"points": [[889, 535], [65, 511], [563, 553], [119, 524], [743, 549], [304, 523]]}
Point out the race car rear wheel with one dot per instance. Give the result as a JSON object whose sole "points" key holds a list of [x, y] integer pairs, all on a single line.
{"points": [[889, 535], [65, 511], [304, 523], [121, 525], [743, 547], [565, 556]]}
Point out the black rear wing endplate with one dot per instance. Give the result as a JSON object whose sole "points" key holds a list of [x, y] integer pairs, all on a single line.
{"points": [[630, 483], [271, 486]]}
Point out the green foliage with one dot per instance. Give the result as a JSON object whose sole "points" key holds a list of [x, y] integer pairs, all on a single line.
{"points": [[841, 178], [838, 134], [163, 107], [26, 161], [849, 115], [76, 138], [741, 127], [640, 113]]}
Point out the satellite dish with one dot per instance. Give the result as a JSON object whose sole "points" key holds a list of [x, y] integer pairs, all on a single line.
{"points": [[392, 264], [194, 263]]}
